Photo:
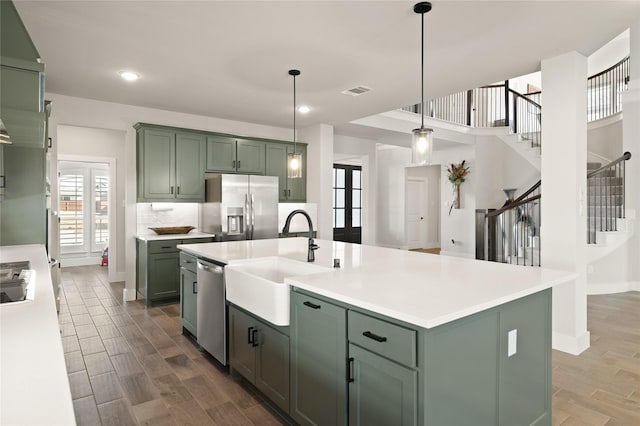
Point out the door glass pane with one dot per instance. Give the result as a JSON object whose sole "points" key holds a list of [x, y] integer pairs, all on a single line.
{"points": [[357, 179], [355, 218], [334, 177], [339, 198], [102, 210], [71, 212], [340, 178], [355, 198], [339, 218]]}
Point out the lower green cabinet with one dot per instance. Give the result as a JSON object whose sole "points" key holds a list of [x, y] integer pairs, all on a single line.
{"points": [[260, 353], [188, 293], [158, 269], [318, 361], [381, 392]]}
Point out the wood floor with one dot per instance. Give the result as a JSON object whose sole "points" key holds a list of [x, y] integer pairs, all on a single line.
{"points": [[130, 365]]}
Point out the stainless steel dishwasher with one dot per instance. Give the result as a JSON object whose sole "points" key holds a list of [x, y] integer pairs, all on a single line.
{"points": [[212, 310]]}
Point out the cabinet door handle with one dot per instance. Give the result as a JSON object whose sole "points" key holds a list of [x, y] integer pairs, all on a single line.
{"points": [[195, 287], [233, 164], [350, 370], [239, 164], [171, 190], [375, 337], [311, 305], [249, 335], [178, 190], [284, 192], [254, 337], [2, 185]]}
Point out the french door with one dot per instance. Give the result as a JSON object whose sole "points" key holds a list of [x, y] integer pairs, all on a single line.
{"points": [[84, 211], [347, 203]]}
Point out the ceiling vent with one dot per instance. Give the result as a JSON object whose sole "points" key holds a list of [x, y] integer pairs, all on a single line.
{"points": [[357, 91]]}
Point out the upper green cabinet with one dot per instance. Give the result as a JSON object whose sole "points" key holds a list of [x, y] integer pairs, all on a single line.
{"points": [[292, 190], [231, 155], [170, 165]]}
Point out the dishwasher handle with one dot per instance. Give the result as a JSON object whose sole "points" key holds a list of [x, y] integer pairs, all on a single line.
{"points": [[210, 268]]}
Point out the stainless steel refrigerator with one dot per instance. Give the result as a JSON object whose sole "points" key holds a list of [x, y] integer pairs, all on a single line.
{"points": [[240, 207]]}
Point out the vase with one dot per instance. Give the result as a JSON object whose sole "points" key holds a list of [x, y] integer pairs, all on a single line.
{"points": [[456, 199]]}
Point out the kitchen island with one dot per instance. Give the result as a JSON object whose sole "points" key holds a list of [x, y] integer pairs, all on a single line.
{"points": [[34, 385], [399, 337]]}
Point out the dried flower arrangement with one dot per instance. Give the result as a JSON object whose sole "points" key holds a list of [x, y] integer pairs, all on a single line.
{"points": [[457, 173]]}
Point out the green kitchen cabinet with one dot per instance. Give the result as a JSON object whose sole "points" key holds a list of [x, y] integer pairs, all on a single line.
{"points": [[227, 154], [260, 353], [381, 392], [294, 189], [158, 269], [318, 361], [188, 293], [170, 165]]}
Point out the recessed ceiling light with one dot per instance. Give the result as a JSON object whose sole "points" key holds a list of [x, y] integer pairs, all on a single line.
{"points": [[129, 75], [304, 109]]}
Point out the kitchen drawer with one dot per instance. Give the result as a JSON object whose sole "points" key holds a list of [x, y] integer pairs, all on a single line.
{"points": [[163, 246], [389, 340], [188, 262]]}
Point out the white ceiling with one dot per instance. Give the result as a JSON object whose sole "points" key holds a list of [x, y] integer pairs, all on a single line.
{"points": [[229, 59]]}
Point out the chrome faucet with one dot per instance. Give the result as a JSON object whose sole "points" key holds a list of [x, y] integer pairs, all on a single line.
{"points": [[312, 246]]}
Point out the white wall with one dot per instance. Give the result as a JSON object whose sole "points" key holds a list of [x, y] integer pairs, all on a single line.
{"points": [[99, 144], [391, 162], [604, 137], [364, 152], [458, 227], [81, 112]]}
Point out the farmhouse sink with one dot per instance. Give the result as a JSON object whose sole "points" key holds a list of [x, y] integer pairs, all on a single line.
{"points": [[257, 285]]}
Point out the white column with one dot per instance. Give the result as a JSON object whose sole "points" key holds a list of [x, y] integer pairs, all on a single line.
{"points": [[631, 143], [319, 174], [564, 162]]}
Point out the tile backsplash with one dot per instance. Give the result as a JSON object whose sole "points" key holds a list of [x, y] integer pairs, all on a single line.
{"points": [[152, 215]]}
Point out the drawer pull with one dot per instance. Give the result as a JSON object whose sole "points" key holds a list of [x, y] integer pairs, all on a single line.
{"points": [[254, 337], [189, 261], [312, 305], [249, 335], [195, 287], [375, 337], [165, 247]]}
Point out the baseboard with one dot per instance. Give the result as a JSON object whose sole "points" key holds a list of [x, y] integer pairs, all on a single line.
{"points": [[574, 345], [128, 296], [611, 288], [457, 254], [80, 261]]}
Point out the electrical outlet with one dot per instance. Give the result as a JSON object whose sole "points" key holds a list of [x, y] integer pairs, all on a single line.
{"points": [[512, 342]]}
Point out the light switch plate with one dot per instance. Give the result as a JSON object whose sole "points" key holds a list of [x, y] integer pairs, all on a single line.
{"points": [[512, 342]]}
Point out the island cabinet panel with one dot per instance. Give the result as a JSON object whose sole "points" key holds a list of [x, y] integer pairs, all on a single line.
{"points": [[381, 392], [170, 164], [525, 377], [260, 353], [318, 361], [462, 373], [188, 293]]}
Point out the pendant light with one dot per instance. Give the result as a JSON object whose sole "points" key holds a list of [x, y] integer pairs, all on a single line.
{"points": [[4, 135], [422, 146], [294, 159]]}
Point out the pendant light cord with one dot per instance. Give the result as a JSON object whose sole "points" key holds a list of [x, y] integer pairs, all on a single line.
{"points": [[294, 114], [422, 77]]}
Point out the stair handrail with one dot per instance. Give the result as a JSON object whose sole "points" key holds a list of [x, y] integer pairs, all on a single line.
{"points": [[612, 205], [518, 201], [623, 157]]}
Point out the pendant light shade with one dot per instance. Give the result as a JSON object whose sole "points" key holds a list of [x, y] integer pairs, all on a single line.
{"points": [[294, 159], [422, 145]]}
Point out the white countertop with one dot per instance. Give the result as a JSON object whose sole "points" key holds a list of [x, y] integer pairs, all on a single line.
{"points": [[156, 237], [34, 384], [422, 289]]}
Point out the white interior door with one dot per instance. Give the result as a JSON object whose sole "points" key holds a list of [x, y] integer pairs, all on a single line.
{"points": [[416, 229]]}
